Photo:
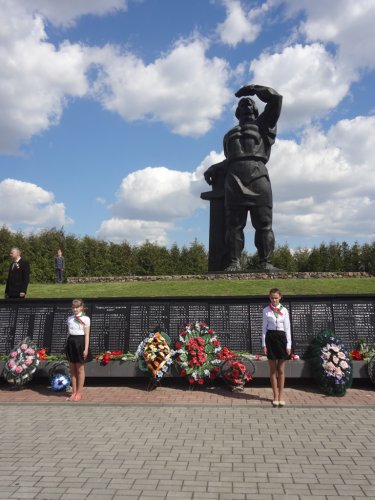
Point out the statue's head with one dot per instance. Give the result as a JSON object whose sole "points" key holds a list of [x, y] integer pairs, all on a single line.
{"points": [[246, 106]]}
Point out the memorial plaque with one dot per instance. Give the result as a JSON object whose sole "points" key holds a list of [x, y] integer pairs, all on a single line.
{"points": [[109, 327], [35, 322], [117, 325], [231, 324], [8, 315], [256, 320], [354, 321], [60, 328], [144, 319], [182, 314], [307, 320], [178, 318]]}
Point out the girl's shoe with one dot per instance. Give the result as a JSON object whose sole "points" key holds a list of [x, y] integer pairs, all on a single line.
{"points": [[275, 403], [281, 404]]}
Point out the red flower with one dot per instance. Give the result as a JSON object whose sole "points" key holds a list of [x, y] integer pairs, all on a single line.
{"points": [[210, 331], [216, 369], [178, 345], [216, 342], [212, 376], [42, 354], [356, 355], [183, 373], [191, 380], [200, 381]]}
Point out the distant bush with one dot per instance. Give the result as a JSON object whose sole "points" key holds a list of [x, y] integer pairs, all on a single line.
{"points": [[89, 256]]}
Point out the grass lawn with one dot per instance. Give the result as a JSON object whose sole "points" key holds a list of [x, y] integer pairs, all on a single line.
{"points": [[203, 288]]}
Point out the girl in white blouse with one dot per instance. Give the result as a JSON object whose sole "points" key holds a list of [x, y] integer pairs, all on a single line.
{"points": [[77, 347], [276, 343]]}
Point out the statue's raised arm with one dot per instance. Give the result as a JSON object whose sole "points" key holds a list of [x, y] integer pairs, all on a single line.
{"points": [[268, 95]]}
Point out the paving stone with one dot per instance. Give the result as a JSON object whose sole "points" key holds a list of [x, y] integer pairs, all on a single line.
{"points": [[191, 452]]}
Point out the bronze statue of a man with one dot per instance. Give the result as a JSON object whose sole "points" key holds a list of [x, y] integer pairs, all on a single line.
{"points": [[247, 187]]}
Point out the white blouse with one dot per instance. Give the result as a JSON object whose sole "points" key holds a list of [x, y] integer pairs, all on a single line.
{"points": [[281, 323], [76, 327]]}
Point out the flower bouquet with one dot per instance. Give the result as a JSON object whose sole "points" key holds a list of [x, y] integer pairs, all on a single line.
{"points": [[22, 363], [331, 363], [198, 353], [155, 355], [108, 356], [236, 371]]}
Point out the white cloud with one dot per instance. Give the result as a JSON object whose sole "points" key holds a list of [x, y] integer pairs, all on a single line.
{"points": [[240, 26], [28, 204], [134, 231], [65, 12], [36, 78], [347, 24], [183, 88], [309, 79], [149, 201], [160, 193], [324, 186]]}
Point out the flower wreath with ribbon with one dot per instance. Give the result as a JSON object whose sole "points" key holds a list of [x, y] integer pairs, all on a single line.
{"points": [[198, 353], [22, 363], [155, 355], [331, 363]]}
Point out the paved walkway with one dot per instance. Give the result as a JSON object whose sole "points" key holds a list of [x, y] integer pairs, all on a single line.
{"points": [[105, 452], [122, 442], [177, 392]]}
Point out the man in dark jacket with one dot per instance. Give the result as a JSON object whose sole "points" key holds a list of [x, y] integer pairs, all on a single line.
{"points": [[18, 276]]}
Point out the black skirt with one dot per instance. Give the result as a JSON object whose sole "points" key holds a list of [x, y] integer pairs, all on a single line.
{"points": [[276, 344], [75, 345]]}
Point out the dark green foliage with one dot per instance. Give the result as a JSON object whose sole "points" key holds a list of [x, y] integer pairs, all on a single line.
{"points": [[332, 257], [89, 256]]}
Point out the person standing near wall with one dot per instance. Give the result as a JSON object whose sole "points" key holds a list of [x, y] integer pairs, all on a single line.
{"points": [[276, 343], [18, 276], [59, 264]]}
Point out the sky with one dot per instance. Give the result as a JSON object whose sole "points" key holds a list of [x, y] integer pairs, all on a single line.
{"points": [[111, 110]]}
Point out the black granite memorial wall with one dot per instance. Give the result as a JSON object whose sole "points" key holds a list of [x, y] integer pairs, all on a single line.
{"points": [[121, 324]]}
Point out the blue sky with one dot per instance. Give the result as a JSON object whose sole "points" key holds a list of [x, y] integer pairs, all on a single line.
{"points": [[113, 109]]}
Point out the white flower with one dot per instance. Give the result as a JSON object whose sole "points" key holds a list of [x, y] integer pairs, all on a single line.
{"points": [[207, 373], [194, 375], [334, 348], [344, 365], [218, 349], [341, 355]]}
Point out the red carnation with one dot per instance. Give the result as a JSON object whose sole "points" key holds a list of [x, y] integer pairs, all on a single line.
{"points": [[183, 373], [178, 345], [200, 381], [191, 380]]}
